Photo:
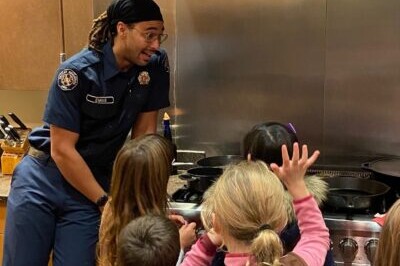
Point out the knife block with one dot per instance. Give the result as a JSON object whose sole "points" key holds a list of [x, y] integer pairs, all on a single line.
{"points": [[14, 151], [17, 147], [9, 161]]}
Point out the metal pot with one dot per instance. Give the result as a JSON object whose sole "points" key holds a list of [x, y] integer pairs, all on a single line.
{"points": [[201, 178], [219, 161], [354, 193]]}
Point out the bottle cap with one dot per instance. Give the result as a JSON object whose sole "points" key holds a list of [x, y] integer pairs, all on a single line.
{"points": [[166, 116]]}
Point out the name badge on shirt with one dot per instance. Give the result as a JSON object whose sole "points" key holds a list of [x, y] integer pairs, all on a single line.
{"points": [[100, 99]]}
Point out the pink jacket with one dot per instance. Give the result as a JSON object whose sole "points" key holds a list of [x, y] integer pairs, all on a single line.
{"points": [[311, 249]]}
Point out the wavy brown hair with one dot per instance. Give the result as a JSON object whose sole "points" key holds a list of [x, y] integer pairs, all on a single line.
{"points": [[246, 197], [388, 253], [138, 187]]}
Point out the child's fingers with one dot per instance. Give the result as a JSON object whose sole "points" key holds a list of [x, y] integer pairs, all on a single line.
{"points": [[313, 158], [304, 153], [277, 170], [177, 218], [192, 225], [285, 155], [295, 156]]}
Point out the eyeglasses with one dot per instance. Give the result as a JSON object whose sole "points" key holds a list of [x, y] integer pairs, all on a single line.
{"points": [[151, 36]]}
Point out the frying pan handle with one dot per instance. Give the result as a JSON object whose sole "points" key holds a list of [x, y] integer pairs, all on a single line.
{"points": [[349, 201], [187, 177], [366, 165]]}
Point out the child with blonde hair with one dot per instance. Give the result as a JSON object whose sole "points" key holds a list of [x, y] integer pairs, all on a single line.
{"points": [[245, 210], [263, 142], [388, 253], [138, 187]]}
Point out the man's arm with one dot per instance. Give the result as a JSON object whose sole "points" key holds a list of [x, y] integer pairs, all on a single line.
{"points": [[71, 164], [146, 123]]}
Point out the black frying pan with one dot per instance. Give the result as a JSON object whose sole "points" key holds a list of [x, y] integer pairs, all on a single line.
{"points": [[219, 161], [386, 170], [353, 192], [386, 166], [201, 178]]}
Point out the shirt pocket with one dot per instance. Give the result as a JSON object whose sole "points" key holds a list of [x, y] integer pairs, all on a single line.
{"points": [[138, 96]]}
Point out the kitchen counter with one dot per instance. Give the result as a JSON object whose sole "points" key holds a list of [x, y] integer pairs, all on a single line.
{"points": [[174, 183], [5, 182]]}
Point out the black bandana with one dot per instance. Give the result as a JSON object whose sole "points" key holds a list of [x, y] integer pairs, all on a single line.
{"points": [[132, 11]]}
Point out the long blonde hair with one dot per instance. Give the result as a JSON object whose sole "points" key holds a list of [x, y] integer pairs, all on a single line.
{"points": [[138, 187], [248, 202], [388, 253]]}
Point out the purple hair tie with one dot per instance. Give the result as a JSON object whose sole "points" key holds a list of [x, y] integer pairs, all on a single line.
{"points": [[290, 125]]}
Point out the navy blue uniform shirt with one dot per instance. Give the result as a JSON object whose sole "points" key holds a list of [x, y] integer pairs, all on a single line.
{"points": [[91, 97]]}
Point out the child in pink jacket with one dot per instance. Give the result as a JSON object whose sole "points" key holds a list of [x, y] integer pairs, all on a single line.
{"points": [[245, 209]]}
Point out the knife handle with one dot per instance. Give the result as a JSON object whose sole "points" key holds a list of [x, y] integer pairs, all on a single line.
{"points": [[14, 133], [17, 120], [3, 133], [10, 134], [4, 119]]}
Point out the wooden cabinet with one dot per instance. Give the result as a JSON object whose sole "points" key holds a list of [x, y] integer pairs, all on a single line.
{"points": [[35, 34], [2, 223]]}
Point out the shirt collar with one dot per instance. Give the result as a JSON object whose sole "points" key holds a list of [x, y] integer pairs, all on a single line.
{"points": [[110, 64]]}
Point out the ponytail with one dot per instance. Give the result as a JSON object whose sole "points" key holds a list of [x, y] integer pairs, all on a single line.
{"points": [[100, 32], [267, 248]]}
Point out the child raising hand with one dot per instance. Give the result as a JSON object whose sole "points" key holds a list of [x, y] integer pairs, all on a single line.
{"points": [[246, 209]]}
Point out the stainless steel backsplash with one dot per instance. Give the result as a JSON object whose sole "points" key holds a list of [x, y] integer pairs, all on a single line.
{"points": [[330, 67]]}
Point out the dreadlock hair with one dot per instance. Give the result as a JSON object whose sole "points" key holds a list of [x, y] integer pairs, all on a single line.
{"points": [[100, 32]]}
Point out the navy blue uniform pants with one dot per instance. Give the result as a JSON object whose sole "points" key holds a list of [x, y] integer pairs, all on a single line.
{"points": [[45, 213]]}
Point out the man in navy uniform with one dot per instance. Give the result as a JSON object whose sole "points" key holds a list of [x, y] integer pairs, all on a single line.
{"points": [[98, 96]]}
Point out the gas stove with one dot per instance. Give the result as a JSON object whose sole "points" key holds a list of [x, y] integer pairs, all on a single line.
{"points": [[355, 241], [354, 236], [187, 195]]}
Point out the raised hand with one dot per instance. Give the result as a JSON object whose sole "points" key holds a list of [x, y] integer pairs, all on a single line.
{"points": [[292, 171]]}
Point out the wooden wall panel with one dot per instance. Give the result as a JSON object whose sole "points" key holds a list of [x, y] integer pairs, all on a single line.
{"points": [[31, 40], [99, 6], [29, 43], [78, 17]]}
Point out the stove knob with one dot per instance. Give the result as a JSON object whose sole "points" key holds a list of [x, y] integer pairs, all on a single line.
{"points": [[370, 248], [348, 248]]}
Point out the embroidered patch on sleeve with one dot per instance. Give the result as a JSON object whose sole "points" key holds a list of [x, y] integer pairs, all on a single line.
{"points": [[67, 79]]}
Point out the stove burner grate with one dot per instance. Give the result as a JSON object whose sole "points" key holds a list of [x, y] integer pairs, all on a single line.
{"points": [[187, 195], [334, 173]]}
